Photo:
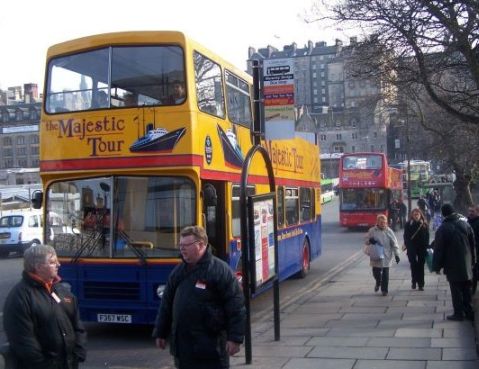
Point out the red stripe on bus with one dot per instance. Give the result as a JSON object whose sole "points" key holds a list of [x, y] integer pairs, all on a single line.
{"points": [[128, 162]]}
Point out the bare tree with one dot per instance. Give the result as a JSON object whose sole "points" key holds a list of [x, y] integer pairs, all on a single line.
{"points": [[450, 141], [399, 30]]}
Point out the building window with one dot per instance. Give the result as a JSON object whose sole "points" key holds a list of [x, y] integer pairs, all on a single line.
{"points": [[323, 137], [338, 136], [19, 115], [353, 148], [34, 150], [20, 140], [35, 163], [354, 136], [7, 141], [22, 151], [8, 152], [372, 148], [34, 139], [375, 134], [22, 163]]}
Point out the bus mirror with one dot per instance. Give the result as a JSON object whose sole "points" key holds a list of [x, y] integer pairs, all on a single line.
{"points": [[37, 199], [209, 195]]}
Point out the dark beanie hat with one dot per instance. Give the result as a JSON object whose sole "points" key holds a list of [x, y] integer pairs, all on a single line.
{"points": [[447, 209]]}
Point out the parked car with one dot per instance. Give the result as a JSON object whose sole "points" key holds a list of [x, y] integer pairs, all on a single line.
{"points": [[20, 230]]}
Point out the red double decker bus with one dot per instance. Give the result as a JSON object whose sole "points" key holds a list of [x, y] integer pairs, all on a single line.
{"points": [[368, 187]]}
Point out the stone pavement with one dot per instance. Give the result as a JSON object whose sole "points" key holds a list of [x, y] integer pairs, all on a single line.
{"points": [[343, 324]]}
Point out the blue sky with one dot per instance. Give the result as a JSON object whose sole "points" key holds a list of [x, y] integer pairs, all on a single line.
{"points": [[29, 27]]}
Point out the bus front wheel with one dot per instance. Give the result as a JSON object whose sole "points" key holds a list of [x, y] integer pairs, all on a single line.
{"points": [[305, 261]]}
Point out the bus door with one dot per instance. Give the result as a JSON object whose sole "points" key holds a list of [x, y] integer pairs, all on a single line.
{"points": [[214, 213]]}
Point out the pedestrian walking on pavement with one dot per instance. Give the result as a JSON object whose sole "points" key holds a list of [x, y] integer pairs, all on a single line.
{"points": [[384, 236], [202, 311], [454, 251], [416, 240], [473, 220]]}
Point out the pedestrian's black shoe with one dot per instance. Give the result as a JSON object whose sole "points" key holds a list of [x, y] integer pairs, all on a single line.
{"points": [[470, 317], [413, 285], [455, 318], [421, 288], [385, 293], [376, 287]]}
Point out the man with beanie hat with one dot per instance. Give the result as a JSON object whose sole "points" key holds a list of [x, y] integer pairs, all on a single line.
{"points": [[454, 251]]}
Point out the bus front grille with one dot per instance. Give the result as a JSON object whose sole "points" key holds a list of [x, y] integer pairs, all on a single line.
{"points": [[112, 290]]}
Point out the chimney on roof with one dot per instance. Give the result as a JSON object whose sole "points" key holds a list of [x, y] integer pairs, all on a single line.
{"points": [[338, 42], [251, 51]]}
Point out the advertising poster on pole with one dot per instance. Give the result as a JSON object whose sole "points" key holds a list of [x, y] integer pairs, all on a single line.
{"points": [[262, 207], [278, 92]]}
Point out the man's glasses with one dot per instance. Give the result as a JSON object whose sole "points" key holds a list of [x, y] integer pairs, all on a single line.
{"points": [[187, 244]]}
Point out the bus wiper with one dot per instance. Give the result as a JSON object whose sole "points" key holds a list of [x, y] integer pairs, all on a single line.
{"points": [[132, 244], [90, 243]]}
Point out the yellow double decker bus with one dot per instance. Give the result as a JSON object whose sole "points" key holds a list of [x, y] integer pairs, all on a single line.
{"points": [[142, 134]]}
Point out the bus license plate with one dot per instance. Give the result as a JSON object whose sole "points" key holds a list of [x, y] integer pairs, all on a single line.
{"points": [[114, 318]]}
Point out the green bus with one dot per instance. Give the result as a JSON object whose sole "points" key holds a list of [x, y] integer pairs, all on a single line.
{"points": [[420, 174], [327, 189]]}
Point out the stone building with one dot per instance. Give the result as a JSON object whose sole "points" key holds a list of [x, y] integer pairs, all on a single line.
{"points": [[19, 136], [350, 113]]}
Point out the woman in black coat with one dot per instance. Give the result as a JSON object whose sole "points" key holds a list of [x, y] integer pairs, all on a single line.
{"points": [[416, 239]]}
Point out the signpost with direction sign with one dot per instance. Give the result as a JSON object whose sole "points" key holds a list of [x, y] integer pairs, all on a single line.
{"points": [[278, 92]]}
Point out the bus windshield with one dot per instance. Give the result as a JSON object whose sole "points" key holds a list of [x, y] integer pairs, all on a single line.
{"points": [[115, 77], [362, 162], [363, 199], [120, 216]]}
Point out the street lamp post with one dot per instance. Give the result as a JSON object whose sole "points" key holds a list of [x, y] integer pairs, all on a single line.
{"points": [[405, 124]]}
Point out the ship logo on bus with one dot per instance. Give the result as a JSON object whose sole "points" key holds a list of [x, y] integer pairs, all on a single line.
{"points": [[231, 150], [158, 139]]}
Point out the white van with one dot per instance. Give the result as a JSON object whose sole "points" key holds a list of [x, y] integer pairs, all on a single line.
{"points": [[20, 230]]}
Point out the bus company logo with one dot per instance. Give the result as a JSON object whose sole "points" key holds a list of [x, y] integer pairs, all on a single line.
{"points": [[286, 158], [92, 131], [208, 150], [362, 175]]}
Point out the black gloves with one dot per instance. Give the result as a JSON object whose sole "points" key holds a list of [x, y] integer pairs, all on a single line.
{"points": [[397, 259], [373, 241]]}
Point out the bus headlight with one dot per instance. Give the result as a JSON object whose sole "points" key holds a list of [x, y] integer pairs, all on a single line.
{"points": [[160, 290]]}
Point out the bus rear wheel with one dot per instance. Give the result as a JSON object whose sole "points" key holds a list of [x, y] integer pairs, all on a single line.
{"points": [[305, 261]]}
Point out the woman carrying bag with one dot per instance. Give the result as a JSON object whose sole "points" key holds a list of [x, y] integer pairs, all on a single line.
{"points": [[383, 235], [416, 239]]}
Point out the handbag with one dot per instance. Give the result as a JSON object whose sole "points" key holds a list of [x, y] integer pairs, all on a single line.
{"points": [[377, 252], [367, 249], [429, 254]]}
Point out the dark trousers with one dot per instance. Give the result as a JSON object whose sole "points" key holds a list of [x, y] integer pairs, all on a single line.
{"points": [[417, 259], [461, 298], [381, 275]]}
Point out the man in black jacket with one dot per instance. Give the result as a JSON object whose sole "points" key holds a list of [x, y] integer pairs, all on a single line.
{"points": [[41, 316], [454, 251], [202, 310], [473, 219]]}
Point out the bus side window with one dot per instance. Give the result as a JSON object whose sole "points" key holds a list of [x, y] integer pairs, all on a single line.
{"points": [[280, 206], [306, 202], [292, 206]]}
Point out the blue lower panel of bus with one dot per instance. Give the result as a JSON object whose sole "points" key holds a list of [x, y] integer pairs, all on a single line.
{"points": [[117, 293], [291, 241]]}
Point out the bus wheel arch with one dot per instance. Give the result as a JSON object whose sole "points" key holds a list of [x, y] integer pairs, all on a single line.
{"points": [[305, 259]]}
